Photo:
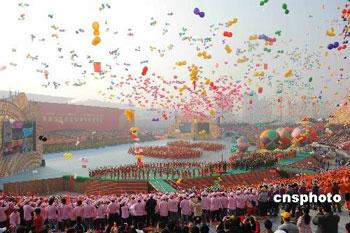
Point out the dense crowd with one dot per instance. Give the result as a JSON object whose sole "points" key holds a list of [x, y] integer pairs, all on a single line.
{"points": [[178, 149], [337, 135], [168, 152], [253, 160], [234, 210], [197, 145], [168, 170]]}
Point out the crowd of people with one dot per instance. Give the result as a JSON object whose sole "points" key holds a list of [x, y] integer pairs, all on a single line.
{"points": [[236, 210], [178, 149], [336, 135], [197, 145], [167, 170], [168, 152], [253, 160]]}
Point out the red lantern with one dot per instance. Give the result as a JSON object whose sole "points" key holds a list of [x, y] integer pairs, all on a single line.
{"points": [[260, 90], [97, 67]]}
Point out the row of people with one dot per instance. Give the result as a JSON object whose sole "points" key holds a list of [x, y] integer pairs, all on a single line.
{"points": [[96, 211], [206, 146], [168, 152]]}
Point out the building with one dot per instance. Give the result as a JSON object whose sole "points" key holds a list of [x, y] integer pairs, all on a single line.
{"points": [[60, 117]]}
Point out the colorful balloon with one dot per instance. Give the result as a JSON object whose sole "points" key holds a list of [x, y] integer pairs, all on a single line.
{"points": [[269, 139]]}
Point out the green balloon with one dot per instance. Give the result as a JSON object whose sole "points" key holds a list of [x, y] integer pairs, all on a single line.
{"points": [[286, 11], [310, 79], [284, 6], [262, 3]]}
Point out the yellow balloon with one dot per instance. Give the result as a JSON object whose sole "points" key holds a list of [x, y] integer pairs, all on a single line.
{"points": [[95, 25], [129, 114], [228, 48], [96, 32], [96, 41], [67, 155]]}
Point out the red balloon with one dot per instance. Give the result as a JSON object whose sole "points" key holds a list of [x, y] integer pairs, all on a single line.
{"points": [[144, 70], [227, 34]]}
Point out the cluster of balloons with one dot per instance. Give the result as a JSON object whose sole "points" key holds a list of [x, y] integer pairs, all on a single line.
{"points": [[330, 32], [97, 39], [181, 63], [242, 59], [194, 75], [285, 8], [204, 55], [231, 22], [263, 2], [333, 46], [253, 37], [266, 38], [227, 34], [196, 11], [129, 114], [228, 49], [288, 73]]}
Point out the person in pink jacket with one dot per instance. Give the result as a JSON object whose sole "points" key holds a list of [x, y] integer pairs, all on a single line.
{"points": [[186, 210], [88, 214], [125, 213], [206, 206], [215, 206], [241, 203], [15, 218], [173, 206], [224, 204], [52, 214], [232, 204], [163, 210], [27, 214], [3, 216], [113, 212]]}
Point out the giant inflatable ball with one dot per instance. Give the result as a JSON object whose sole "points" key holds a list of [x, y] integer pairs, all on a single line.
{"points": [[269, 139], [286, 138]]}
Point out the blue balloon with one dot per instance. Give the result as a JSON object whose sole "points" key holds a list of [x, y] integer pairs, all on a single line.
{"points": [[330, 46], [201, 14], [336, 44], [196, 11]]}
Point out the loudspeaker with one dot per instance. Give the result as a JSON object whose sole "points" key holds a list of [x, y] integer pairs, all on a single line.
{"points": [[43, 163]]}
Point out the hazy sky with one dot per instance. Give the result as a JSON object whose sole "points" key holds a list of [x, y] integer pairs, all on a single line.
{"points": [[303, 29]]}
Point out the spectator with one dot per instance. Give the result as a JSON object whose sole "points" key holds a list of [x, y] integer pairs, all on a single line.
{"points": [[327, 222], [287, 225], [303, 222], [268, 226]]}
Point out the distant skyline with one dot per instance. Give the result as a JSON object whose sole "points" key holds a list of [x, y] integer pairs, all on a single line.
{"points": [[302, 38]]}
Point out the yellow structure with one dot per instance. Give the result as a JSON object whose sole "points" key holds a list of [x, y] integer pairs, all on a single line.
{"points": [[195, 128]]}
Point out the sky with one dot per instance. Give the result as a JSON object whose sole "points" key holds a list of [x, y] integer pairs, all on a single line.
{"points": [[302, 38]]}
